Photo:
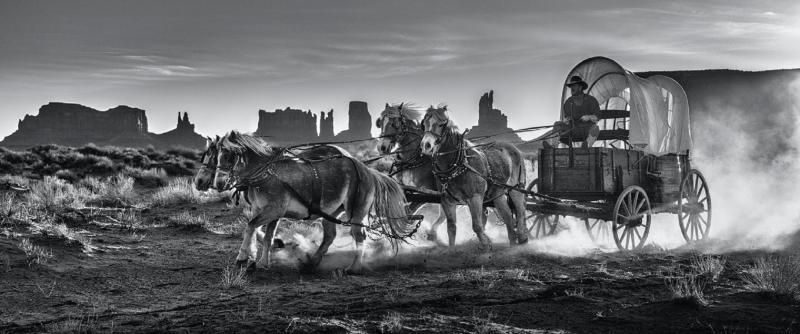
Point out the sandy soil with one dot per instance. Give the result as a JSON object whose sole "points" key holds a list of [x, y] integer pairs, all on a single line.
{"points": [[168, 278]]}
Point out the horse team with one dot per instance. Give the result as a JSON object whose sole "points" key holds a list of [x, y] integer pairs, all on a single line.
{"points": [[327, 182]]}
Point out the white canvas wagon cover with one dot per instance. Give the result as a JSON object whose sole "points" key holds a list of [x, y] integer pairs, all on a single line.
{"points": [[659, 108]]}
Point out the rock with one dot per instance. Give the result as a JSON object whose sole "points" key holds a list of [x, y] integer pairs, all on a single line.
{"points": [[359, 122], [287, 126], [182, 136], [72, 124], [294, 126], [492, 121]]}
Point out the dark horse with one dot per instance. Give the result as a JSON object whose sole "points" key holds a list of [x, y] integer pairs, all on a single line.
{"points": [[277, 185], [475, 176], [401, 133]]}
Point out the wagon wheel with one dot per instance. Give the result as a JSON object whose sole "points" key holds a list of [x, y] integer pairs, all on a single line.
{"points": [[599, 230], [631, 222], [542, 225], [694, 208]]}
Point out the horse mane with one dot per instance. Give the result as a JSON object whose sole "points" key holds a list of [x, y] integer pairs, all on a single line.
{"points": [[406, 110], [242, 143], [442, 113]]}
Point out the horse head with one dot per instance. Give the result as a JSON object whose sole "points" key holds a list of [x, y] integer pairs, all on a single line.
{"points": [[437, 125], [234, 151], [396, 122], [208, 165]]}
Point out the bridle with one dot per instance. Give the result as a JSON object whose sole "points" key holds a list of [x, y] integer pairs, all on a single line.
{"points": [[437, 136], [401, 131]]}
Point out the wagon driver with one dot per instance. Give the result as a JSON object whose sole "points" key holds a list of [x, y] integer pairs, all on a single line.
{"points": [[581, 113]]}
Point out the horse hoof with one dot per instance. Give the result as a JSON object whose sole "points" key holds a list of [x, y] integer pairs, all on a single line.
{"points": [[432, 237], [242, 263], [523, 242]]}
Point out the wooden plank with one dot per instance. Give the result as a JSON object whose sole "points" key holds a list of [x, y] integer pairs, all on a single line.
{"points": [[614, 113]]}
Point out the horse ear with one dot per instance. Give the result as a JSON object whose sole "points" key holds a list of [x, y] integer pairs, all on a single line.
{"points": [[233, 136], [217, 139], [401, 106], [387, 104], [208, 142]]}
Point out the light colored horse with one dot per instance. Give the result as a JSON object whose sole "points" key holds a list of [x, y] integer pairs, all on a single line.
{"points": [[401, 133], [308, 186], [475, 176]]}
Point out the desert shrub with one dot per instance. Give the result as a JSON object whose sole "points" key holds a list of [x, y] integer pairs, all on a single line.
{"points": [[103, 165], [185, 152], [177, 191], [779, 275], [150, 178], [67, 175], [54, 194], [14, 180]]}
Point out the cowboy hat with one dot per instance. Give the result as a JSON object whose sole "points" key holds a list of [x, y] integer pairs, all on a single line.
{"points": [[576, 80]]}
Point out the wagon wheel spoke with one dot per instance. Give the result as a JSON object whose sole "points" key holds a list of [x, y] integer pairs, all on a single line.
{"points": [[694, 208], [631, 223]]}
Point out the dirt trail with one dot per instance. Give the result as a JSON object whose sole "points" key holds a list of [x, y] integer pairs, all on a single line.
{"points": [[168, 278]]}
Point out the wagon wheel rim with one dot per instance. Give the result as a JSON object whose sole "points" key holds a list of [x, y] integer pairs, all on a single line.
{"points": [[541, 225], [599, 230], [694, 208], [631, 223]]}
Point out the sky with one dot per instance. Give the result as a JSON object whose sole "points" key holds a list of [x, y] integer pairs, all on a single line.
{"points": [[222, 61]]}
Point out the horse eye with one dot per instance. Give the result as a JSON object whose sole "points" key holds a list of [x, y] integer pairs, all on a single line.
{"points": [[378, 123]]}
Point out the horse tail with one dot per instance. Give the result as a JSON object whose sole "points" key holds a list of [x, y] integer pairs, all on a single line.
{"points": [[389, 205]]}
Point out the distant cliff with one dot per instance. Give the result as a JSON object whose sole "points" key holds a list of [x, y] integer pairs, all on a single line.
{"points": [[293, 126], [492, 121], [72, 124]]}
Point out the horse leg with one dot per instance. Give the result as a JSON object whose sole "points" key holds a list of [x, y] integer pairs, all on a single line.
{"points": [[329, 233], [504, 211], [449, 209], [248, 249], [476, 211], [518, 200], [440, 218], [359, 235], [266, 245]]}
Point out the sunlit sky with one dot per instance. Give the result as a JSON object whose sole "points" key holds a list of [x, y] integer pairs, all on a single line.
{"points": [[223, 60]]}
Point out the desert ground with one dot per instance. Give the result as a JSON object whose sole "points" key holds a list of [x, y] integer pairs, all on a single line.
{"points": [[116, 254]]}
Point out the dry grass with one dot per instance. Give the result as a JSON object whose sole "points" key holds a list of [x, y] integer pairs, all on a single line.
{"points": [[130, 219], [150, 178], [391, 322], [184, 218], [55, 195], [778, 274], [709, 265], [87, 323], [33, 253], [182, 191], [61, 231], [687, 287], [234, 278], [116, 190]]}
